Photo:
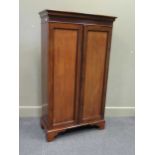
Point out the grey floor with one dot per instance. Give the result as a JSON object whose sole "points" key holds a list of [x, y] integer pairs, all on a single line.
{"points": [[116, 139]]}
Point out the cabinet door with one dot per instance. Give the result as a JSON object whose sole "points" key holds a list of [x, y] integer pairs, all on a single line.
{"points": [[64, 58], [94, 72]]}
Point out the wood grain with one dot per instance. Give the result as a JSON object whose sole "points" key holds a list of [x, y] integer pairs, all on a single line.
{"points": [[66, 49], [94, 74], [75, 60], [65, 42]]}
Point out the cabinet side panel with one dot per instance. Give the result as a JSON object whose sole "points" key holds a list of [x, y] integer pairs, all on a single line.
{"points": [[65, 51], [44, 67], [95, 48]]}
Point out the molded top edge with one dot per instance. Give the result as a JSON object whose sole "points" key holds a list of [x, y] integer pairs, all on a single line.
{"points": [[50, 13]]}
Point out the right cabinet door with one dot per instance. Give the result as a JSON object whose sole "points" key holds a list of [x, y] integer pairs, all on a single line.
{"points": [[95, 60]]}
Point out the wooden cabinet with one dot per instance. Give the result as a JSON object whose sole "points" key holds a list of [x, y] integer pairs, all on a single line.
{"points": [[75, 58]]}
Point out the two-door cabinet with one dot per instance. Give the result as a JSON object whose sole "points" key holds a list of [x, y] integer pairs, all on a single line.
{"points": [[75, 59]]}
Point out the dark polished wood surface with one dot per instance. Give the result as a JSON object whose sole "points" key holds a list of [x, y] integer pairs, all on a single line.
{"points": [[78, 18], [75, 60]]}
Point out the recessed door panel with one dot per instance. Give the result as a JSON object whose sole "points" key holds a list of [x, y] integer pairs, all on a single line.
{"points": [[66, 50], [94, 58]]}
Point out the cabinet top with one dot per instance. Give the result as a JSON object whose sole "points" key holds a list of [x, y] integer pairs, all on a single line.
{"points": [[53, 13]]}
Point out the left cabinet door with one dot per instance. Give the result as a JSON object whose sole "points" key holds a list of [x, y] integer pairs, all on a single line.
{"points": [[64, 72]]}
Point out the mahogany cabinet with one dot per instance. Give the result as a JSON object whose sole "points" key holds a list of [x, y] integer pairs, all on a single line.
{"points": [[75, 58]]}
